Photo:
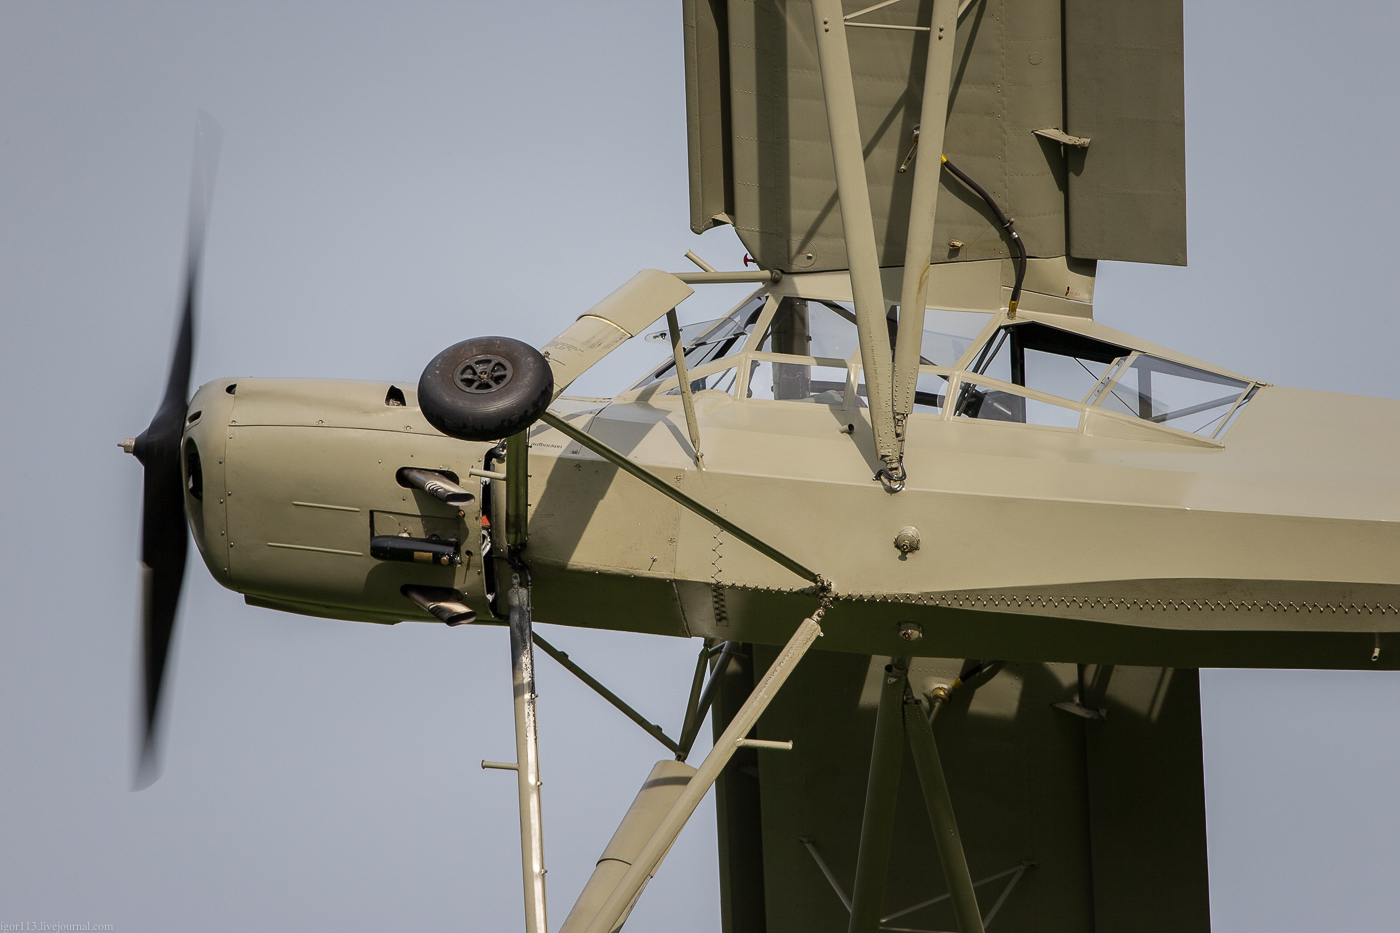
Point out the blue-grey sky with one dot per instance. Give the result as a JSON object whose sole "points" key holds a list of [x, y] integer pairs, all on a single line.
{"points": [[396, 177]]}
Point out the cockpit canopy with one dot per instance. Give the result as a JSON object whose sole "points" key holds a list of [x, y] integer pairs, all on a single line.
{"points": [[1039, 369]]}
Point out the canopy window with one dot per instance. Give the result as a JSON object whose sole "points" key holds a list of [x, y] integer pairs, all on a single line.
{"points": [[808, 327], [722, 379], [948, 334], [1047, 359], [818, 337], [1175, 395], [724, 338], [797, 382]]}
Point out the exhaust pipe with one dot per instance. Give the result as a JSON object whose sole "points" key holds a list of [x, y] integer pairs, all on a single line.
{"points": [[447, 604], [435, 484]]}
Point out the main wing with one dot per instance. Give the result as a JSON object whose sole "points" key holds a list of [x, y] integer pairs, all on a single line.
{"points": [[1079, 795], [1070, 114]]}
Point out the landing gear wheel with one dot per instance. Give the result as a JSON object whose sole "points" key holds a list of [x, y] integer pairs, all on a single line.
{"points": [[485, 388]]}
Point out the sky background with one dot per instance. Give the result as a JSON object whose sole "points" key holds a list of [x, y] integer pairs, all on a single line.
{"points": [[397, 177]]}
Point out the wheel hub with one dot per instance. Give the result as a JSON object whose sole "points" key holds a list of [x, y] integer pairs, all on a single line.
{"points": [[482, 374]]}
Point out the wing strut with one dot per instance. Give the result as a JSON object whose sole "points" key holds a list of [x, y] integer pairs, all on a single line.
{"points": [[699, 706], [924, 751], [678, 353], [901, 716], [628, 465], [862, 256], [923, 204], [881, 795], [620, 902], [1015, 874], [650, 728]]}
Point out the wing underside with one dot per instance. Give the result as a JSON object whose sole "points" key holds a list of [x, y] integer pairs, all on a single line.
{"points": [[1078, 791], [1069, 112]]}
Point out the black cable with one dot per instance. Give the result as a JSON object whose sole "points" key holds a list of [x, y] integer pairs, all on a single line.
{"points": [[1006, 224]]}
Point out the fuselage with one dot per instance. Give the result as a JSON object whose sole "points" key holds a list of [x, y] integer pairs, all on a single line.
{"points": [[1097, 528]]}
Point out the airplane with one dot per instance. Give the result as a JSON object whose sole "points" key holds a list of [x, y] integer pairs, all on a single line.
{"points": [[1030, 529]]}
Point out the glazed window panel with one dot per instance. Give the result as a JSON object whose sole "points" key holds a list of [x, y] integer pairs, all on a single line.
{"points": [[1173, 394], [723, 381], [797, 382], [724, 338], [948, 334], [992, 403], [1047, 359], [808, 327]]}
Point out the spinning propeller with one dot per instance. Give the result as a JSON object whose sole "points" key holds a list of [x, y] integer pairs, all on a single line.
{"points": [[164, 535]]}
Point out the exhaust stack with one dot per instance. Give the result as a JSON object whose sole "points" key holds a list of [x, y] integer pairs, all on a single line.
{"points": [[435, 484], [445, 603]]}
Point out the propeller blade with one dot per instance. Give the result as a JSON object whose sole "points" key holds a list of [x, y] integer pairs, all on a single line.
{"points": [[164, 535]]}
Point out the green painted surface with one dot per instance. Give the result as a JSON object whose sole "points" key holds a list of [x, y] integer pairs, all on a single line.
{"points": [[760, 151], [1100, 807]]}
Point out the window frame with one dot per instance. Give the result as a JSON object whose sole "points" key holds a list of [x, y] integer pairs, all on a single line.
{"points": [[966, 372], [639, 389], [741, 387], [1248, 390], [968, 377], [659, 388], [963, 371]]}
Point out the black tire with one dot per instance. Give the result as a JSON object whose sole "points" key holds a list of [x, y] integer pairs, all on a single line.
{"points": [[485, 388]]}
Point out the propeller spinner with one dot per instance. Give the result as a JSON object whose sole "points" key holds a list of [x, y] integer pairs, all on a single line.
{"points": [[164, 535]]}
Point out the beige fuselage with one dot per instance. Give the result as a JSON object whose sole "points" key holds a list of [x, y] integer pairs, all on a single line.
{"points": [[1116, 541]]}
